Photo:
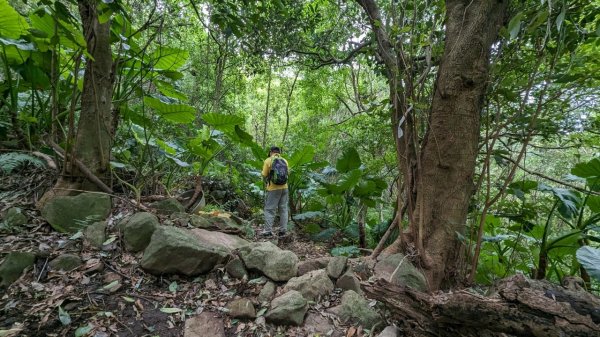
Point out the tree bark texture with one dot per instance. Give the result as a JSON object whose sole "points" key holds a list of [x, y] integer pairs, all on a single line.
{"points": [[438, 168], [93, 140], [519, 307]]}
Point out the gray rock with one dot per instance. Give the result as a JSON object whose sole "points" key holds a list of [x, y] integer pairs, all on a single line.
{"points": [[287, 309], [175, 250], [203, 325], [355, 309], [68, 214], [138, 229], [273, 262], [311, 285], [13, 266], [389, 331], [349, 281], [336, 266], [312, 264], [220, 223], [316, 324], [241, 308], [168, 206], [65, 262], [218, 239], [267, 292], [235, 268], [398, 270], [95, 233], [15, 217]]}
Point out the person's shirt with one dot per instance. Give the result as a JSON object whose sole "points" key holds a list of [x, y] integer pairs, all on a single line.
{"points": [[266, 170]]}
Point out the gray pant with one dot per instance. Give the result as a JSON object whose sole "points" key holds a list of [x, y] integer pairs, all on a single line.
{"points": [[277, 199]]}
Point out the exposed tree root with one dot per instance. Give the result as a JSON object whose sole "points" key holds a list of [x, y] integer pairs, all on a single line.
{"points": [[519, 307]]}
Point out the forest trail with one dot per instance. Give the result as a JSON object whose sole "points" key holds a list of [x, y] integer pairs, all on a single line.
{"points": [[206, 274], [83, 285]]}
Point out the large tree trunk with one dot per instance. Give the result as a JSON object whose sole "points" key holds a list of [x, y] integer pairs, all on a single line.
{"points": [[93, 140], [438, 174], [518, 307]]}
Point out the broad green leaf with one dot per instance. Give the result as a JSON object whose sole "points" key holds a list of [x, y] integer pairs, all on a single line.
{"points": [[221, 120], [593, 203], [12, 24], [20, 44], [590, 260], [302, 156], [569, 200], [520, 188], [63, 316], [514, 25], [170, 59], [349, 161], [34, 75], [590, 171], [345, 251], [176, 113], [168, 90], [14, 55]]}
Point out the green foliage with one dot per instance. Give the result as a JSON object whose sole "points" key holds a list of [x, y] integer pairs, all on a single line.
{"points": [[590, 259], [12, 160]]}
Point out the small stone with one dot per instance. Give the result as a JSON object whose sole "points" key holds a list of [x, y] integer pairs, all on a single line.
{"points": [[236, 269], [95, 234], [13, 266], [312, 264], [311, 285], [336, 266], [355, 309], [138, 229], [287, 309], [15, 217], [65, 262], [389, 331], [318, 325], [349, 281], [267, 292], [168, 206], [273, 262], [241, 308], [204, 325]]}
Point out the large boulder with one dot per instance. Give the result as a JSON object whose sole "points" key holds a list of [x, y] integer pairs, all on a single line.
{"points": [[138, 230], [235, 268], [13, 266], [312, 264], [168, 206], [68, 214], [287, 309], [273, 262], [311, 285], [355, 309], [176, 250], [267, 292], [397, 269], [203, 325]]}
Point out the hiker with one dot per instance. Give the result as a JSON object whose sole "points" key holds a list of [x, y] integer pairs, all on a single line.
{"points": [[275, 173]]}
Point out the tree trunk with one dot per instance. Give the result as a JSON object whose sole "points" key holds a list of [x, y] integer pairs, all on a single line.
{"points": [[519, 307], [438, 173], [93, 140]]}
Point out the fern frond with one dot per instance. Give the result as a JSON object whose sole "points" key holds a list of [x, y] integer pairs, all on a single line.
{"points": [[12, 160]]}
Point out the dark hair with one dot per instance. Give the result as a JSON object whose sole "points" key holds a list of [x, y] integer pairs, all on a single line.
{"points": [[275, 149]]}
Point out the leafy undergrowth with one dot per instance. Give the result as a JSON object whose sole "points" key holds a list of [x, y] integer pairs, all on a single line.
{"points": [[110, 295]]}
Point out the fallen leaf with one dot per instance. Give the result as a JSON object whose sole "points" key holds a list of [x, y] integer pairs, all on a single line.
{"points": [[170, 310], [351, 331]]}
